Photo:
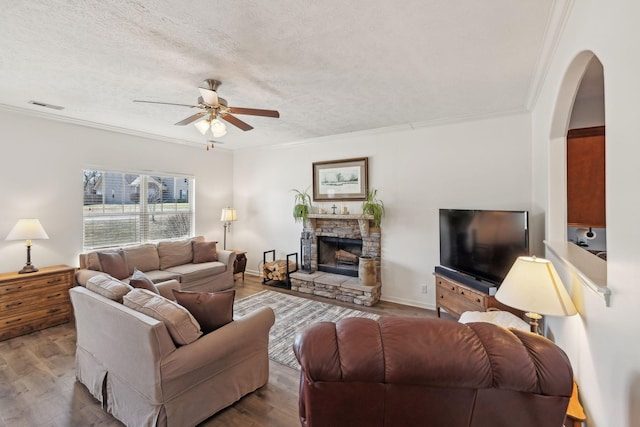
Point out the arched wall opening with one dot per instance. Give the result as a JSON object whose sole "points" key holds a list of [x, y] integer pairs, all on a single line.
{"points": [[591, 269]]}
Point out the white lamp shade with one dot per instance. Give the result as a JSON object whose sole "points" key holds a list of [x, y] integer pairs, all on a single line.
{"points": [[27, 229], [228, 215], [533, 285]]}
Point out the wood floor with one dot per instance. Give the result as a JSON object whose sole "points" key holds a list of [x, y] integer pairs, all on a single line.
{"points": [[38, 386]]}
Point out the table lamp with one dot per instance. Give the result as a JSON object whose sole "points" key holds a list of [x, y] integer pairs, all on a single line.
{"points": [[228, 215], [533, 285], [27, 229]]}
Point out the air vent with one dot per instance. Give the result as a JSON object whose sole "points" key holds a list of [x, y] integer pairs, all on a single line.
{"points": [[44, 104]]}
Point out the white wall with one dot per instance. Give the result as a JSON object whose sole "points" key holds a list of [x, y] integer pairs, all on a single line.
{"points": [[587, 113], [483, 164], [41, 174], [602, 342]]}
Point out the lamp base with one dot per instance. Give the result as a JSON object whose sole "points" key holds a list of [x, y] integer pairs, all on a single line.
{"points": [[28, 268], [533, 321]]}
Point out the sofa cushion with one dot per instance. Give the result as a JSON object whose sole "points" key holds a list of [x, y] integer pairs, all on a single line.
{"points": [[158, 276], [182, 327], [143, 257], [108, 287], [191, 272], [204, 252], [114, 264], [212, 310], [140, 280], [175, 252]]}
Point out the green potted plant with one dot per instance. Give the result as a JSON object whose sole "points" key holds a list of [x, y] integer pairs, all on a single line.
{"points": [[302, 205], [373, 206]]}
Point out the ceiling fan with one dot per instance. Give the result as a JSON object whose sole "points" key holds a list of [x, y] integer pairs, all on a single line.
{"points": [[214, 108]]}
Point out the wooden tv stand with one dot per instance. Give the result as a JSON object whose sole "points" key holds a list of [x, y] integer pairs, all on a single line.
{"points": [[456, 298]]}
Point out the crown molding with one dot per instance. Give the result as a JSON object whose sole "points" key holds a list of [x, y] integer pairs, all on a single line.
{"points": [[560, 12], [101, 126]]}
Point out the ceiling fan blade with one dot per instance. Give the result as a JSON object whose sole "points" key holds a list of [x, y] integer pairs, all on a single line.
{"points": [[236, 122], [191, 119], [210, 97], [165, 103], [254, 112]]}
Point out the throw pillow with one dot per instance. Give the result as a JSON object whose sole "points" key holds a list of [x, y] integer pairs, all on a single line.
{"points": [[182, 327], [140, 280], [212, 310], [92, 262], [204, 252], [108, 287], [114, 264]]}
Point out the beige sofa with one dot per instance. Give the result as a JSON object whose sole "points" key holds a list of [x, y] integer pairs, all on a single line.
{"points": [[165, 260], [129, 362]]}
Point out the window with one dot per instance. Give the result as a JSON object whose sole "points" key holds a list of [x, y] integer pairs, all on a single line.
{"points": [[127, 208]]}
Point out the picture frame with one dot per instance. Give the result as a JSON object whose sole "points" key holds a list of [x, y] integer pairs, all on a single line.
{"points": [[341, 179]]}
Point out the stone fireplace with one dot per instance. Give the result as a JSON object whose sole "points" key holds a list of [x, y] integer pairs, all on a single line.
{"points": [[337, 243]]}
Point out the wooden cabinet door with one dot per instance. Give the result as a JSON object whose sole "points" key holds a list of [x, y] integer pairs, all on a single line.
{"points": [[586, 177]]}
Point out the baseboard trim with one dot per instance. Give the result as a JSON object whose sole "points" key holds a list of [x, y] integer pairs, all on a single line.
{"points": [[404, 301]]}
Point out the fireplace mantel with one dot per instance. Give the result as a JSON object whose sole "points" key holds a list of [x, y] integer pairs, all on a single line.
{"points": [[363, 220], [337, 216]]}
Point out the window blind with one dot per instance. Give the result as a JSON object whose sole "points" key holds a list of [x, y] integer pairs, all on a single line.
{"points": [[124, 208]]}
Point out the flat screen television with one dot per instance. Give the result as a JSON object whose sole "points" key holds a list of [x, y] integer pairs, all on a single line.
{"points": [[483, 244]]}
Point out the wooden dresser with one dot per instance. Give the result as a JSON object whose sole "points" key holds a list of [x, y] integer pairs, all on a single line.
{"points": [[456, 298], [34, 301]]}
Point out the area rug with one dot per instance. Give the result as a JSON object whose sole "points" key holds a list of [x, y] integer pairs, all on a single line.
{"points": [[292, 313]]}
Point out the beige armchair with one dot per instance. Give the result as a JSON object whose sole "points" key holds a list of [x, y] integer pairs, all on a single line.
{"points": [[128, 361]]}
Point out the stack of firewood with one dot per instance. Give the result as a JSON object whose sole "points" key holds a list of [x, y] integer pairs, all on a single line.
{"points": [[345, 257], [277, 270]]}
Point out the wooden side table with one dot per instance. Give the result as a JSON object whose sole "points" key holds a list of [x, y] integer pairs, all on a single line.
{"points": [[34, 301], [240, 264], [575, 412]]}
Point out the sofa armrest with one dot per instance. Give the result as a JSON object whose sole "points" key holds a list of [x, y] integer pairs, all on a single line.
{"points": [[227, 258], [83, 275], [165, 288], [234, 341]]}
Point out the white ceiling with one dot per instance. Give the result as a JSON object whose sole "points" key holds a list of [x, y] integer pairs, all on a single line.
{"points": [[329, 67]]}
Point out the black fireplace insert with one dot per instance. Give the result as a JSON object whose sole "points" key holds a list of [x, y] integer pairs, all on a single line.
{"points": [[339, 255]]}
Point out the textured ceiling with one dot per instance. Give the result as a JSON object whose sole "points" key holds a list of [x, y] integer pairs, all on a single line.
{"points": [[328, 67]]}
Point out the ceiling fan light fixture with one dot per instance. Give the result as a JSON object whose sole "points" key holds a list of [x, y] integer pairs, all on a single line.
{"points": [[218, 128], [202, 126]]}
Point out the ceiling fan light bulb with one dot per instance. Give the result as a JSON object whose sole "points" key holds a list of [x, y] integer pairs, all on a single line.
{"points": [[218, 128], [202, 126], [219, 133]]}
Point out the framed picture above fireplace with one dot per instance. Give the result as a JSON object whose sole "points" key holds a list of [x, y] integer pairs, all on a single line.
{"points": [[341, 179]]}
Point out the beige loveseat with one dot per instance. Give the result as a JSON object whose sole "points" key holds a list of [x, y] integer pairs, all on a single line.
{"points": [[129, 362], [165, 260]]}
